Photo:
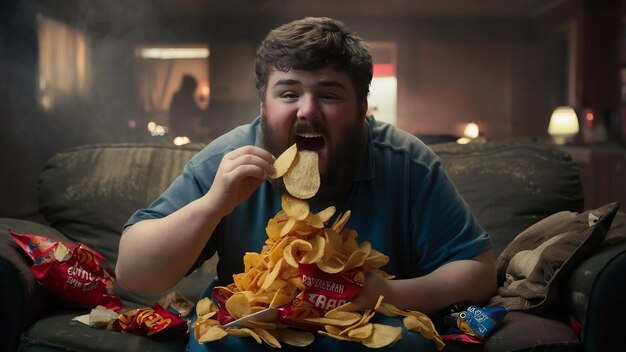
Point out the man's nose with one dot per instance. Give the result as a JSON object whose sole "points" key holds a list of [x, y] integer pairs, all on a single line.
{"points": [[309, 108]]}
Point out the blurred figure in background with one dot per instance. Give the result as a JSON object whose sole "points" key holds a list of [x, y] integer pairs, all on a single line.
{"points": [[185, 114]]}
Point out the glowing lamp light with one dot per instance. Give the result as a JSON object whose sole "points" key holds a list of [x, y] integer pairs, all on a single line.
{"points": [[471, 130], [470, 133], [181, 140], [563, 124]]}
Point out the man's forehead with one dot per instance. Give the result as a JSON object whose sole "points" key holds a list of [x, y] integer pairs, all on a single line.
{"points": [[321, 77]]}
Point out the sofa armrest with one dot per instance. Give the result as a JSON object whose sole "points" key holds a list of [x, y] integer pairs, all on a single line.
{"points": [[594, 293], [22, 300]]}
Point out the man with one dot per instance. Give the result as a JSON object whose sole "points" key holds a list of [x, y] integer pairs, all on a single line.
{"points": [[313, 79]]}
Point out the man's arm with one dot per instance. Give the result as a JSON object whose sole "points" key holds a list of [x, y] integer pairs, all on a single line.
{"points": [[155, 254], [472, 280]]}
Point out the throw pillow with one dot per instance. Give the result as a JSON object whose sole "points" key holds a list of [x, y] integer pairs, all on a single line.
{"points": [[530, 267]]}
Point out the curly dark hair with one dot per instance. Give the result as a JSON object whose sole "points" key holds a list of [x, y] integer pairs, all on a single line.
{"points": [[312, 43]]}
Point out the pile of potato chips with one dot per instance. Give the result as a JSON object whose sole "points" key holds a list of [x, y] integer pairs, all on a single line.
{"points": [[298, 237]]}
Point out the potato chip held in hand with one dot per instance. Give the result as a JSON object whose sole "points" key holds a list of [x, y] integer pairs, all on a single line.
{"points": [[284, 161]]}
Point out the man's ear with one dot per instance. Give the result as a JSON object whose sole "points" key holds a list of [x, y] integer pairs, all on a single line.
{"points": [[261, 107]]}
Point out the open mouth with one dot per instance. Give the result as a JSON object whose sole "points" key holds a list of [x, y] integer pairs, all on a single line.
{"points": [[310, 141]]}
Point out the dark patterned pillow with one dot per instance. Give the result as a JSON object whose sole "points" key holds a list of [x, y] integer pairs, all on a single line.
{"points": [[530, 267]]}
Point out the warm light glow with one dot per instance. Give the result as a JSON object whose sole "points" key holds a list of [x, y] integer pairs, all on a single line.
{"points": [[563, 124], [174, 53], [156, 129], [181, 140], [471, 130], [464, 140]]}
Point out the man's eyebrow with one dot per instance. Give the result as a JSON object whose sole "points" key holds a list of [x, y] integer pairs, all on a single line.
{"points": [[291, 82], [332, 84], [286, 82]]}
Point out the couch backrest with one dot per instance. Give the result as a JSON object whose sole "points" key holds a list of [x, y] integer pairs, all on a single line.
{"points": [[510, 186], [89, 192]]}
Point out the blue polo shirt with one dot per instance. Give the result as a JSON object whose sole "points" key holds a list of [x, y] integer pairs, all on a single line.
{"points": [[402, 202]]}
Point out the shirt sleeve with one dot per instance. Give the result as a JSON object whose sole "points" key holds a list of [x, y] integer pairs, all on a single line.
{"points": [[186, 188], [445, 229]]}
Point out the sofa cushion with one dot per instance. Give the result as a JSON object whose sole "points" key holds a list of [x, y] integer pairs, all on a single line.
{"points": [[510, 186], [89, 192], [58, 332], [531, 266], [22, 300]]}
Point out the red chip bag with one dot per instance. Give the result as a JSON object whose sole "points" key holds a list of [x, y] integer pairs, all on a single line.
{"points": [[322, 292], [70, 272], [150, 321]]}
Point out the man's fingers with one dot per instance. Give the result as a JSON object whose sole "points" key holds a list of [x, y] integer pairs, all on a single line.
{"points": [[251, 150], [258, 157]]}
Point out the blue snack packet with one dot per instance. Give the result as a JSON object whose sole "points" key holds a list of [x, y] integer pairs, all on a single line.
{"points": [[475, 323]]}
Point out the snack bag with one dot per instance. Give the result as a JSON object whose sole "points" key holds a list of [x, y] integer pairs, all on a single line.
{"points": [[150, 321], [322, 293], [473, 324], [70, 272]]}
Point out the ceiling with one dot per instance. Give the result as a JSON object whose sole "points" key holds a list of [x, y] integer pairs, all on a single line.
{"points": [[202, 9], [348, 8]]}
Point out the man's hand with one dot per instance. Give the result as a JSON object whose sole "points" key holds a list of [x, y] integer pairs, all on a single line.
{"points": [[239, 174], [375, 285]]}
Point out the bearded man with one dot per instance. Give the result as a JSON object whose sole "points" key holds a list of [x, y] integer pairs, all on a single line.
{"points": [[313, 79]]}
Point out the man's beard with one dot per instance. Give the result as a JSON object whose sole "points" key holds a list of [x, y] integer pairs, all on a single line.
{"points": [[344, 161]]}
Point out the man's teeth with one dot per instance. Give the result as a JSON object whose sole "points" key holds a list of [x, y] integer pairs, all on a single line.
{"points": [[309, 135]]}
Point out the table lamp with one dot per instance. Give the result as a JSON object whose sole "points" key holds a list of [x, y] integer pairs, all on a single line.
{"points": [[470, 133], [563, 124]]}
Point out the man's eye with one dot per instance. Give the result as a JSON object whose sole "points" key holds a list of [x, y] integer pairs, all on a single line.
{"points": [[289, 95], [329, 97]]}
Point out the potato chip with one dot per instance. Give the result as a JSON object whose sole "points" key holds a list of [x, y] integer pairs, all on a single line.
{"points": [[375, 260], [302, 180], [213, 333], [362, 332], [269, 279], [327, 213], [332, 266], [273, 229], [338, 318], [238, 305], [341, 221], [318, 243], [295, 208], [383, 335], [294, 252], [268, 338], [294, 337], [288, 227], [245, 332], [284, 161], [206, 307], [281, 298], [334, 336]]}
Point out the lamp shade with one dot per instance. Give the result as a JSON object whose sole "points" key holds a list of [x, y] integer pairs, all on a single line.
{"points": [[563, 124]]}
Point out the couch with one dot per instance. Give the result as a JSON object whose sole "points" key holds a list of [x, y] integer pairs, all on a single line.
{"points": [[87, 193]]}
